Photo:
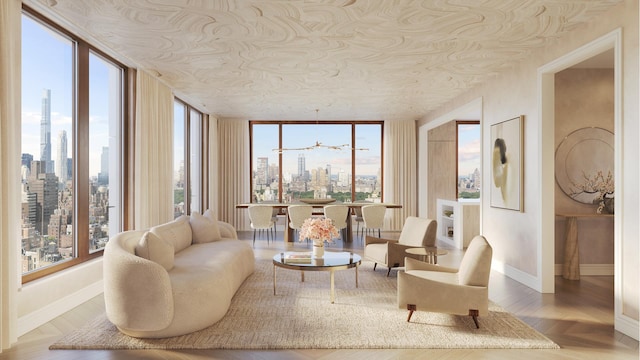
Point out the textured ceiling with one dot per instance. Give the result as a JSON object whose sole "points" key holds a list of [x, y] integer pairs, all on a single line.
{"points": [[351, 59]]}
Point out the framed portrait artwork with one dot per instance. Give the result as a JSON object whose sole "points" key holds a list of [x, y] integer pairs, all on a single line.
{"points": [[507, 170]]}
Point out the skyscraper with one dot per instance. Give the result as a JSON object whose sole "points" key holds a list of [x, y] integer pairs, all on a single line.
{"points": [[61, 159], [477, 179], [45, 186], [103, 176], [26, 160], [302, 168], [45, 131], [262, 176]]}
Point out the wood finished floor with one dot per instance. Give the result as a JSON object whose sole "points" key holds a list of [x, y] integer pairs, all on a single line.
{"points": [[579, 317]]}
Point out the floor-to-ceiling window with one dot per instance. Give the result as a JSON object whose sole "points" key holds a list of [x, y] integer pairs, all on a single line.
{"points": [[179, 178], [316, 160], [187, 158], [195, 160], [72, 116], [468, 154]]}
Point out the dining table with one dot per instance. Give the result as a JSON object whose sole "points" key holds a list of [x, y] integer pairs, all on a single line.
{"points": [[318, 206]]}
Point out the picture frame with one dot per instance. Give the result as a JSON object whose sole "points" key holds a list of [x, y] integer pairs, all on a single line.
{"points": [[507, 164]]}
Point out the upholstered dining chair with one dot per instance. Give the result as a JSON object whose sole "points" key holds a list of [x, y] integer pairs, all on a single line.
{"points": [[261, 219], [435, 288], [274, 217], [416, 232], [357, 217], [373, 217], [338, 214], [297, 215]]}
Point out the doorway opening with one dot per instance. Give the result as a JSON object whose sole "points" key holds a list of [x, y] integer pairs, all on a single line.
{"points": [[600, 61]]}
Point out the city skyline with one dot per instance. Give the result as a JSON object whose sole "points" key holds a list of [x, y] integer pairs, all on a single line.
{"points": [[299, 136], [48, 205], [54, 77]]}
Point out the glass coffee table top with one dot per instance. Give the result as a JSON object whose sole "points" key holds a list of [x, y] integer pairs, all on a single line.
{"points": [[303, 261]]}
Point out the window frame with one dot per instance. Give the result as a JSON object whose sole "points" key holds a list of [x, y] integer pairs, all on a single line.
{"points": [[80, 145], [188, 109], [353, 124]]}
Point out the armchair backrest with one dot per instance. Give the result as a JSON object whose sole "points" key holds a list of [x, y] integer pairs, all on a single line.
{"points": [[418, 232], [476, 263]]}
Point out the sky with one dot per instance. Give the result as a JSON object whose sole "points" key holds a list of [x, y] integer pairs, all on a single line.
{"points": [[47, 64], [468, 149]]}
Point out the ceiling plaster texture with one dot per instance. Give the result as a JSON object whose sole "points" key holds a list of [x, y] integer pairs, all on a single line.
{"points": [[351, 59]]}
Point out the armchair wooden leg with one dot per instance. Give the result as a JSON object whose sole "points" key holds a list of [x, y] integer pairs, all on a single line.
{"points": [[474, 314], [411, 309], [374, 266], [388, 272]]}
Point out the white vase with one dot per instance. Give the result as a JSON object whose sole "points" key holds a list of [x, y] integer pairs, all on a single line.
{"points": [[318, 250]]}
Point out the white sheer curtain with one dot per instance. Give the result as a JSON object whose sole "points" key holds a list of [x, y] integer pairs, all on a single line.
{"points": [[212, 174], [10, 148], [153, 168], [400, 171], [233, 171]]}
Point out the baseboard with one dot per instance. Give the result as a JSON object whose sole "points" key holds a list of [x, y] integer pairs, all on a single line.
{"points": [[517, 275], [590, 269], [627, 326], [44, 315]]}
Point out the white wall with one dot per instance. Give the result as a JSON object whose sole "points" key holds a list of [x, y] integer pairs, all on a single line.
{"points": [[517, 236], [42, 300]]}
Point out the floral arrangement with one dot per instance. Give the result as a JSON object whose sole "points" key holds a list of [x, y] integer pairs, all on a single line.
{"points": [[598, 184], [318, 229]]}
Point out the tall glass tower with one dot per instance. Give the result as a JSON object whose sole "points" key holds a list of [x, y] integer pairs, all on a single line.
{"points": [[45, 131], [61, 159], [302, 167]]}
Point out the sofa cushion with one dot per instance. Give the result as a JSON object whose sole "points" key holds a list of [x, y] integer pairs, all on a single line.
{"points": [[153, 248], [176, 232], [203, 229]]}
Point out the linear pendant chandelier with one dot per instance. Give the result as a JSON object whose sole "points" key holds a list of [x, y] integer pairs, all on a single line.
{"points": [[319, 145]]}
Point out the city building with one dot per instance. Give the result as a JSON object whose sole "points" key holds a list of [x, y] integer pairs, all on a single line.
{"points": [[61, 160], [45, 131], [103, 175]]}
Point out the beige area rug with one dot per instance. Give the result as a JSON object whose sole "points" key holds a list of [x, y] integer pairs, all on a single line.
{"points": [[301, 316]]}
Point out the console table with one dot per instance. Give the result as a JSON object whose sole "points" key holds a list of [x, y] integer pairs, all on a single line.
{"points": [[571, 262]]}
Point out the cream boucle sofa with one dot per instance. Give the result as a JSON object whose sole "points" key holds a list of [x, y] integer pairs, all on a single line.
{"points": [[175, 278]]}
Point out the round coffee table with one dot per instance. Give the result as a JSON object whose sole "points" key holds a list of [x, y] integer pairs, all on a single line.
{"points": [[331, 261], [427, 254]]}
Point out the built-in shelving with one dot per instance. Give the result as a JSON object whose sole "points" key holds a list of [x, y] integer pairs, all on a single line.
{"points": [[458, 221]]}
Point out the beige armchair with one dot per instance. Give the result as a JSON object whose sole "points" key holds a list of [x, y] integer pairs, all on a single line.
{"points": [[416, 232], [462, 291]]}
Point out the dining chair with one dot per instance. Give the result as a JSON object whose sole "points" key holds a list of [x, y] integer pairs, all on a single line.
{"points": [[274, 217], [338, 214], [297, 215], [261, 219], [357, 216], [373, 218]]}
